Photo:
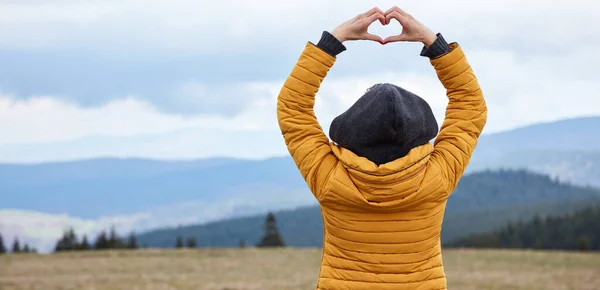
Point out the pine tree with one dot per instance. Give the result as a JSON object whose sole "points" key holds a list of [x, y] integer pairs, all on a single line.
{"points": [[584, 243], [539, 244], [2, 247], [85, 244], [113, 239], [271, 238], [60, 245], [68, 242], [16, 248], [26, 249], [132, 242], [71, 240], [179, 242], [574, 231], [191, 243], [101, 242]]}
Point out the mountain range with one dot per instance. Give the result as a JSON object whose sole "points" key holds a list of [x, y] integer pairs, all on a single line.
{"points": [[39, 200], [482, 202], [567, 149], [578, 230]]}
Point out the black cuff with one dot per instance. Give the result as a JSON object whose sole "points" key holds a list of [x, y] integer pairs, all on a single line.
{"points": [[330, 44], [437, 49]]}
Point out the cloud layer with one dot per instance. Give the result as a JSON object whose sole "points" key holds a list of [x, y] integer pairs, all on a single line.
{"points": [[42, 230], [191, 80]]}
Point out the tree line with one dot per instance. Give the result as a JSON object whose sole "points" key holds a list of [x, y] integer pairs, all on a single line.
{"points": [[105, 240], [576, 231], [109, 240], [271, 236], [16, 247], [259, 232]]}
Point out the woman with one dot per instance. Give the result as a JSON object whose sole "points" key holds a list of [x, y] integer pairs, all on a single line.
{"points": [[382, 186]]}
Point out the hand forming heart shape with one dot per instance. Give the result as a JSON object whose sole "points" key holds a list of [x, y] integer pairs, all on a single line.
{"points": [[357, 27]]}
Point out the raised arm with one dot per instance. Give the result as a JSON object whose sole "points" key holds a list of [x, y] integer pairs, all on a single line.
{"points": [[466, 113], [304, 137]]}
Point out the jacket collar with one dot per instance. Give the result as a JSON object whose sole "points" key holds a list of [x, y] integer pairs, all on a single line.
{"points": [[417, 156]]}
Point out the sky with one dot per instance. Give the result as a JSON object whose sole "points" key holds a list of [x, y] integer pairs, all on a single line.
{"points": [[191, 79], [195, 79]]}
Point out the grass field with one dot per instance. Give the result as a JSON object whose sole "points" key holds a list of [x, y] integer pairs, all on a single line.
{"points": [[280, 269]]}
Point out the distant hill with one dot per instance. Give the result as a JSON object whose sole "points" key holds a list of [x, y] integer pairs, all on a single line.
{"points": [[578, 167], [460, 224], [574, 231], [148, 194], [101, 168], [501, 188], [567, 149], [482, 202], [578, 134], [97, 188]]}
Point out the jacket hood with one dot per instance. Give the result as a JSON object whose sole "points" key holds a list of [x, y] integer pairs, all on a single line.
{"points": [[385, 124], [390, 182]]}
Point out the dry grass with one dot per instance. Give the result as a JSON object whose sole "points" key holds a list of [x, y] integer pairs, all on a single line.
{"points": [[280, 269]]}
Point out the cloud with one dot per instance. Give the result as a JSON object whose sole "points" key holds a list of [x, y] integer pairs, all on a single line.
{"points": [[42, 230], [190, 80], [187, 25], [519, 92], [94, 52]]}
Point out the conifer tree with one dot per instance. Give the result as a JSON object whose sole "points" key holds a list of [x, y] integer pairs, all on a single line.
{"points": [[113, 239], [101, 242], [584, 243], [85, 244], [71, 240], [271, 237], [179, 242], [68, 242], [191, 243], [132, 242], [16, 248], [2, 246]]}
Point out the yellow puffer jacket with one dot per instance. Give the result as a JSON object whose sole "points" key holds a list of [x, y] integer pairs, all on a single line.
{"points": [[382, 223]]}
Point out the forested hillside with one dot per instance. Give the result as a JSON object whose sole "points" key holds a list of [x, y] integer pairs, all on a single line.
{"points": [[482, 202], [576, 231]]}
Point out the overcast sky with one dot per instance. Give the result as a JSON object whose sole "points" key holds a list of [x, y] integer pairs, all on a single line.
{"points": [[193, 79]]}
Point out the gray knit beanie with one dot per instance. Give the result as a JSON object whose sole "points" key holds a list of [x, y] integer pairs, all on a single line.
{"points": [[385, 124]]}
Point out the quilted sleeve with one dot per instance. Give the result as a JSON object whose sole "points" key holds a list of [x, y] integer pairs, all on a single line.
{"points": [[304, 137], [466, 115]]}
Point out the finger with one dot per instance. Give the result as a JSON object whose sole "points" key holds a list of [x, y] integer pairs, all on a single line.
{"points": [[373, 37], [372, 11], [376, 16], [396, 9], [395, 38], [382, 19], [396, 15], [390, 16]]}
